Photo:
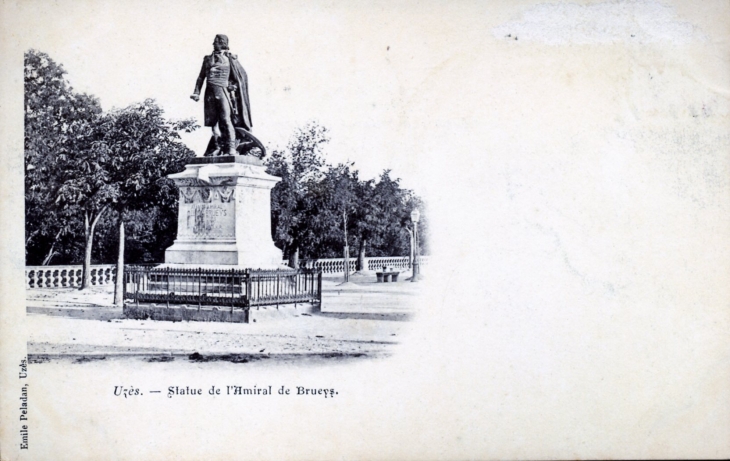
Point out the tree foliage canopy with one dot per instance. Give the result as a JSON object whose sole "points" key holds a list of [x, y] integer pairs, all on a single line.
{"points": [[299, 167], [82, 163], [126, 155], [57, 120], [318, 207]]}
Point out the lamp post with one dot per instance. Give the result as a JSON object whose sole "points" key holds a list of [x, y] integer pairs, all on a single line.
{"points": [[415, 215]]}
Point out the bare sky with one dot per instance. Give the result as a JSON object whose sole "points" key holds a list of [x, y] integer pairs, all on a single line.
{"points": [[397, 85]]}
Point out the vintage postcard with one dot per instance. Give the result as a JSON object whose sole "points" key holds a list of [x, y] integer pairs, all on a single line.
{"points": [[365, 230]]}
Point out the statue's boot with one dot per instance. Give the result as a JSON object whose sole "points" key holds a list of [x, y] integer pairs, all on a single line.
{"points": [[230, 148], [213, 148]]}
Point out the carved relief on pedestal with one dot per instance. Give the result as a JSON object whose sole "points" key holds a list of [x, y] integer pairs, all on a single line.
{"points": [[225, 193], [188, 194], [214, 181], [206, 194], [193, 190]]}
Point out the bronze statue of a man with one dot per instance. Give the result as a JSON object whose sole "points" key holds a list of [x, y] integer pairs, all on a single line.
{"points": [[226, 108]]}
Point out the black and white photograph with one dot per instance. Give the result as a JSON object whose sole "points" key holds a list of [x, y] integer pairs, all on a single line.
{"points": [[365, 230], [124, 221]]}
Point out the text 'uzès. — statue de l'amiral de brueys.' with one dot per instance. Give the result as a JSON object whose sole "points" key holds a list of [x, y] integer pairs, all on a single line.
{"points": [[226, 105]]}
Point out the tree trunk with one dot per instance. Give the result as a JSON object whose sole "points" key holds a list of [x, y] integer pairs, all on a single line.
{"points": [[51, 253], [347, 263], [362, 264], [30, 237], [89, 234], [347, 248], [294, 258], [88, 241], [119, 283], [49, 256]]}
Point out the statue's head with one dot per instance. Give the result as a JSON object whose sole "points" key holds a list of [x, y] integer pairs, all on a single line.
{"points": [[220, 42]]}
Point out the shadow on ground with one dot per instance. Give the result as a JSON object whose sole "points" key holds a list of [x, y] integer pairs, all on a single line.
{"points": [[93, 312], [324, 357]]}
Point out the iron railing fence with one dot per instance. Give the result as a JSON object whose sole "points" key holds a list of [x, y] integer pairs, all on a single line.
{"points": [[233, 288]]}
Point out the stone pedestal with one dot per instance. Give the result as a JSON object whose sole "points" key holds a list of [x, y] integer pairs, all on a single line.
{"points": [[224, 215]]}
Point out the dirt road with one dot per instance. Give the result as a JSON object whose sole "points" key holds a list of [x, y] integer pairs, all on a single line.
{"points": [[361, 319]]}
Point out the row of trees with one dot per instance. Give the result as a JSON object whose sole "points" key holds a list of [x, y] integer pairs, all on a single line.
{"points": [[94, 176], [321, 210]]}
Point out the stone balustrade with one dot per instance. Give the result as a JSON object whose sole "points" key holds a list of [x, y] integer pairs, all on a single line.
{"points": [[398, 262], [331, 265], [67, 276], [337, 265], [104, 274]]}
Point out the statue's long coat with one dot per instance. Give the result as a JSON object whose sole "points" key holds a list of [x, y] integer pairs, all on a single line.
{"points": [[238, 75]]}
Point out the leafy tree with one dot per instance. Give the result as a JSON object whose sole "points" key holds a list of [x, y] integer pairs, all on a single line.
{"points": [[382, 224], [365, 219], [322, 210], [56, 121], [393, 222], [292, 203], [143, 148], [395, 239], [122, 167], [82, 166], [338, 195]]}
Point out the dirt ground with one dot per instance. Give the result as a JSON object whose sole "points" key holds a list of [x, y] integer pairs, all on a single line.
{"points": [[358, 319]]}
